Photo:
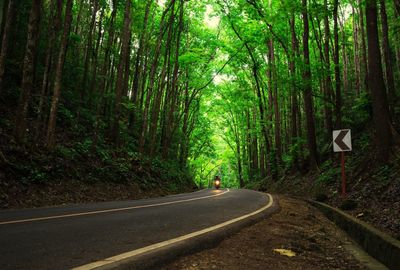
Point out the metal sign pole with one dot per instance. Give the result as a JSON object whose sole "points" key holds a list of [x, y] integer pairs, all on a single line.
{"points": [[343, 175], [342, 143]]}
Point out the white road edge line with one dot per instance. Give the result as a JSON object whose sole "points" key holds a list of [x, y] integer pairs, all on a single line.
{"points": [[130, 254], [110, 210]]}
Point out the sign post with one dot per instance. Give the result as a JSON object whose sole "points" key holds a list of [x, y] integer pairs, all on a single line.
{"points": [[342, 143]]}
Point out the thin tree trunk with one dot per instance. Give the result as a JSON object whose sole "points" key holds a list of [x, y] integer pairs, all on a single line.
{"points": [[174, 87], [387, 57], [88, 51], [142, 138], [78, 18], [104, 71], [345, 59], [377, 85], [357, 63], [328, 80], [94, 79], [294, 100], [139, 63], [338, 101], [275, 105], [120, 72], [364, 58], [308, 102], [53, 29], [397, 35], [3, 17], [50, 137], [184, 145], [28, 71], [397, 7], [254, 153], [10, 17]]}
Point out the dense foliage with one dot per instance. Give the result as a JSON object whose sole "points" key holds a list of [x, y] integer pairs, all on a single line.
{"points": [[247, 89]]}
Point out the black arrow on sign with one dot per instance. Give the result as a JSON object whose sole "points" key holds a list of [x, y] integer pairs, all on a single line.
{"points": [[339, 139]]}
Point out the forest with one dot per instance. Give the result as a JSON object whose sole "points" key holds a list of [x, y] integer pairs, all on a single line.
{"points": [[164, 95]]}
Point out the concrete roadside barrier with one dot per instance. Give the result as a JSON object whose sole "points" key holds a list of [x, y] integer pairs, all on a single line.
{"points": [[379, 245]]}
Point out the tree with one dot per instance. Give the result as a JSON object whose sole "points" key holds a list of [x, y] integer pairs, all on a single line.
{"points": [[308, 102], [51, 127], [338, 103], [28, 69], [387, 57], [121, 79], [9, 19], [377, 85]]}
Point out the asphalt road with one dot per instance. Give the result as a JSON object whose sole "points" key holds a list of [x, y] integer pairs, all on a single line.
{"points": [[68, 237]]}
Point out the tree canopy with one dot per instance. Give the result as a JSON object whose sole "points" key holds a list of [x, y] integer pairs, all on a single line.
{"points": [[248, 89]]}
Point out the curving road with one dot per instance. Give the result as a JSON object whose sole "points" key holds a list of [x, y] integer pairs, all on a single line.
{"points": [[73, 236]]}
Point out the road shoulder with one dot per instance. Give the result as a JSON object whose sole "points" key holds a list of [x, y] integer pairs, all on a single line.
{"points": [[316, 242]]}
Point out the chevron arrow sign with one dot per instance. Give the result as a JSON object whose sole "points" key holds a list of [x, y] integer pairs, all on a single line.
{"points": [[342, 140]]}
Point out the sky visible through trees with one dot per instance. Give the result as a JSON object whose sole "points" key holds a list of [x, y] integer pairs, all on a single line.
{"points": [[247, 89]]}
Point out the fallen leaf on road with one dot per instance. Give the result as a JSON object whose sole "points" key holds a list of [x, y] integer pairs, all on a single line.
{"points": [[360, 215], [285, 252]]}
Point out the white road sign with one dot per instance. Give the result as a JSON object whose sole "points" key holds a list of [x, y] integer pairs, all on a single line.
{"points": [[342, 140]]}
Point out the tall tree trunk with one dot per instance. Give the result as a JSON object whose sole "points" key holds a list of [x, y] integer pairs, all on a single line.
{"points": [[53, 29], [3, 17], [94, 79], [363, 46], [357, 63], [120, 72], [104, 71], [239, 163], [387, 57], [275, 105], [254, 147], [308, 102], [345, 58], [28, 71], [377, 85], [137, 76], [327, 80], [294, 92], [10, 17], [338, 101], [170, 126], [142, 138], [186, 108], [78, 17], [397, 35], [88, 51], [397, 7], [51, 127]]}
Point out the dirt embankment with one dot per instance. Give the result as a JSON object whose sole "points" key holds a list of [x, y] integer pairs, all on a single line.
{"points": [[298, 229]]}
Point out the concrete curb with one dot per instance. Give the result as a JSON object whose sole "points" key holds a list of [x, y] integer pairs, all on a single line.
{"points": [[161, 256], [378, 244]]}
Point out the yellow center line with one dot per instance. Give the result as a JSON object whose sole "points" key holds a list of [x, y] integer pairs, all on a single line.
{"points": [[109, 210], [118, 259]]}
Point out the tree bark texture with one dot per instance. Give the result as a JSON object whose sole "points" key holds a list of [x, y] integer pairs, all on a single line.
{"points": [[377, 85], [28, 70], [9, 21], [387, 57], [338, 101], [51, 127], [308, 102], [120, 72], [327, 80]]}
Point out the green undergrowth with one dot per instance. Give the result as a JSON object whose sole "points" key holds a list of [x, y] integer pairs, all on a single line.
{"points": [[86, 166]]}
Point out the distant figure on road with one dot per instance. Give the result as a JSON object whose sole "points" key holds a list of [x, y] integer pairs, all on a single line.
{"points": [[217, 182]]}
